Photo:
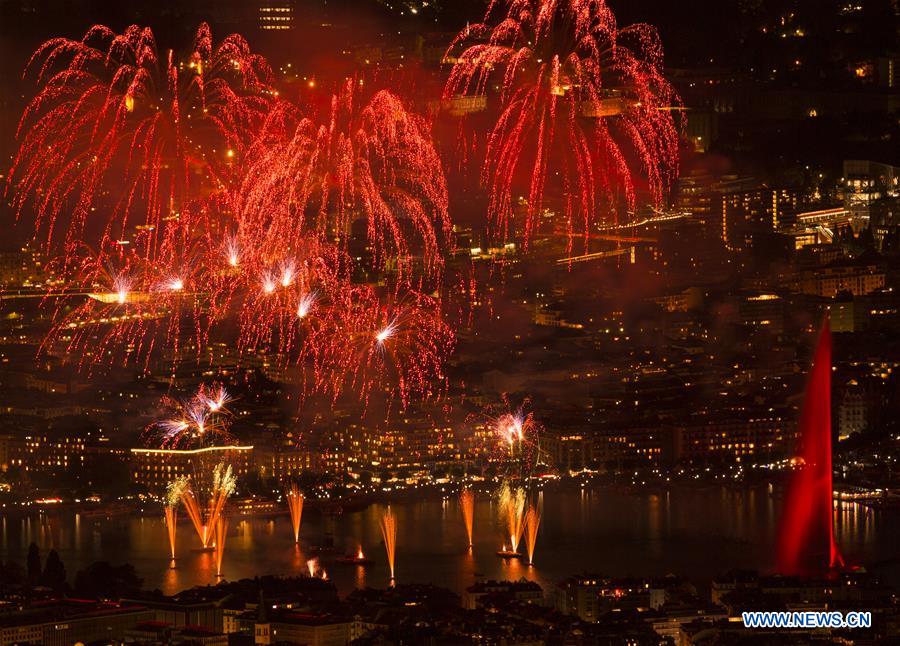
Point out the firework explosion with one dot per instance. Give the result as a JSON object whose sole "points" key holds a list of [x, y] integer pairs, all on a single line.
{"points": [[467, 505], [295, 506], [389, 533], [580, 98], [226, 204], [198, 422], [361, 159], [111, 112]]}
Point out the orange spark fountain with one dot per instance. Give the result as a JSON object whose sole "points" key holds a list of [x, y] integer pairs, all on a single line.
{"points": [[223, 485], [512, 509], [532, 523], [192, 507], [171, 518], [315, 570], [389, 532], [295, 505], [467, 504], [221, 532], [174, 493]]}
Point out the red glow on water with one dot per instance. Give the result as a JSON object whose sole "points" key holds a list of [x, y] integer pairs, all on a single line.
{"points": [[807, 525]]}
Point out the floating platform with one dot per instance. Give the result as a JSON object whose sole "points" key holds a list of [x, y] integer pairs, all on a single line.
{"points": [[508, 554], [354, 560]]}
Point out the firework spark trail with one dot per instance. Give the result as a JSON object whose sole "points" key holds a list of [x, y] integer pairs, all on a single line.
{"points": [[580, 97], [198, 199], [111, 112], [467, 505], [221, 533], [171, 526], [222, 486], [312, 175], [512, 513], [174, 493], [515, 440], [192, 506], [315, 570], [532, 523], [389, 533], [295, 505], [197, 422]]}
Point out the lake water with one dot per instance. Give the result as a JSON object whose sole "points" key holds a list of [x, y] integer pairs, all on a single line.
{"points": [[698, 533]]}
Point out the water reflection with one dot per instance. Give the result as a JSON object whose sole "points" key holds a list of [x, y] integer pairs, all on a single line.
{"points": [[697, 532]]}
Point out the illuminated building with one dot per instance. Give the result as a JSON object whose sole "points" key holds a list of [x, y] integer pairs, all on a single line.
{"points": [[70, 622], [276, 15], [849, 314], [762, 311], [855, 278], [865, 182], [569, 451], [52, 452], [523, 591], [154, 469], [734, 439], [580, 596], [280, 463], [853, 410], [735, 206], [281, 625], [629, 446]]}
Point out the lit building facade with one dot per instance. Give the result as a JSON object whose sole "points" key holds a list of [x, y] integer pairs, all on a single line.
{"points": [[154, 469]]}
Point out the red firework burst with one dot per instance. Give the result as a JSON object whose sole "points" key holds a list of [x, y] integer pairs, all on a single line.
{"points": [[231, 210], [374, 160], [580, 98], [116, 128]]}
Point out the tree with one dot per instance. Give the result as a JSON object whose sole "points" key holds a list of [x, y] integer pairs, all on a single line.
{"points": [[34, 563], [100, 580], [54, 575], [11, 573]]}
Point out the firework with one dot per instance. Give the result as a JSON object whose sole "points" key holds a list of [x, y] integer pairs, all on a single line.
{"points": [[222, 486], [532, 523], [174, 494], [117, 128], [467, 505], [171, 520], [200, 421], [223, 204], [315, 570], [221, 533], [513, 436], [579, 97], [295, 505], [512, 513], [312, 175], [398, 344], [389, 533]]}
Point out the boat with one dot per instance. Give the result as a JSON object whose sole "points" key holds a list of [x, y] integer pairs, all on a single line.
{"points": [[508, 554], [355, 559]]}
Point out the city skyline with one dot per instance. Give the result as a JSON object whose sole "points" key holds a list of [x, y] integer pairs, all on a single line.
{"points": [[399, 295]]}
